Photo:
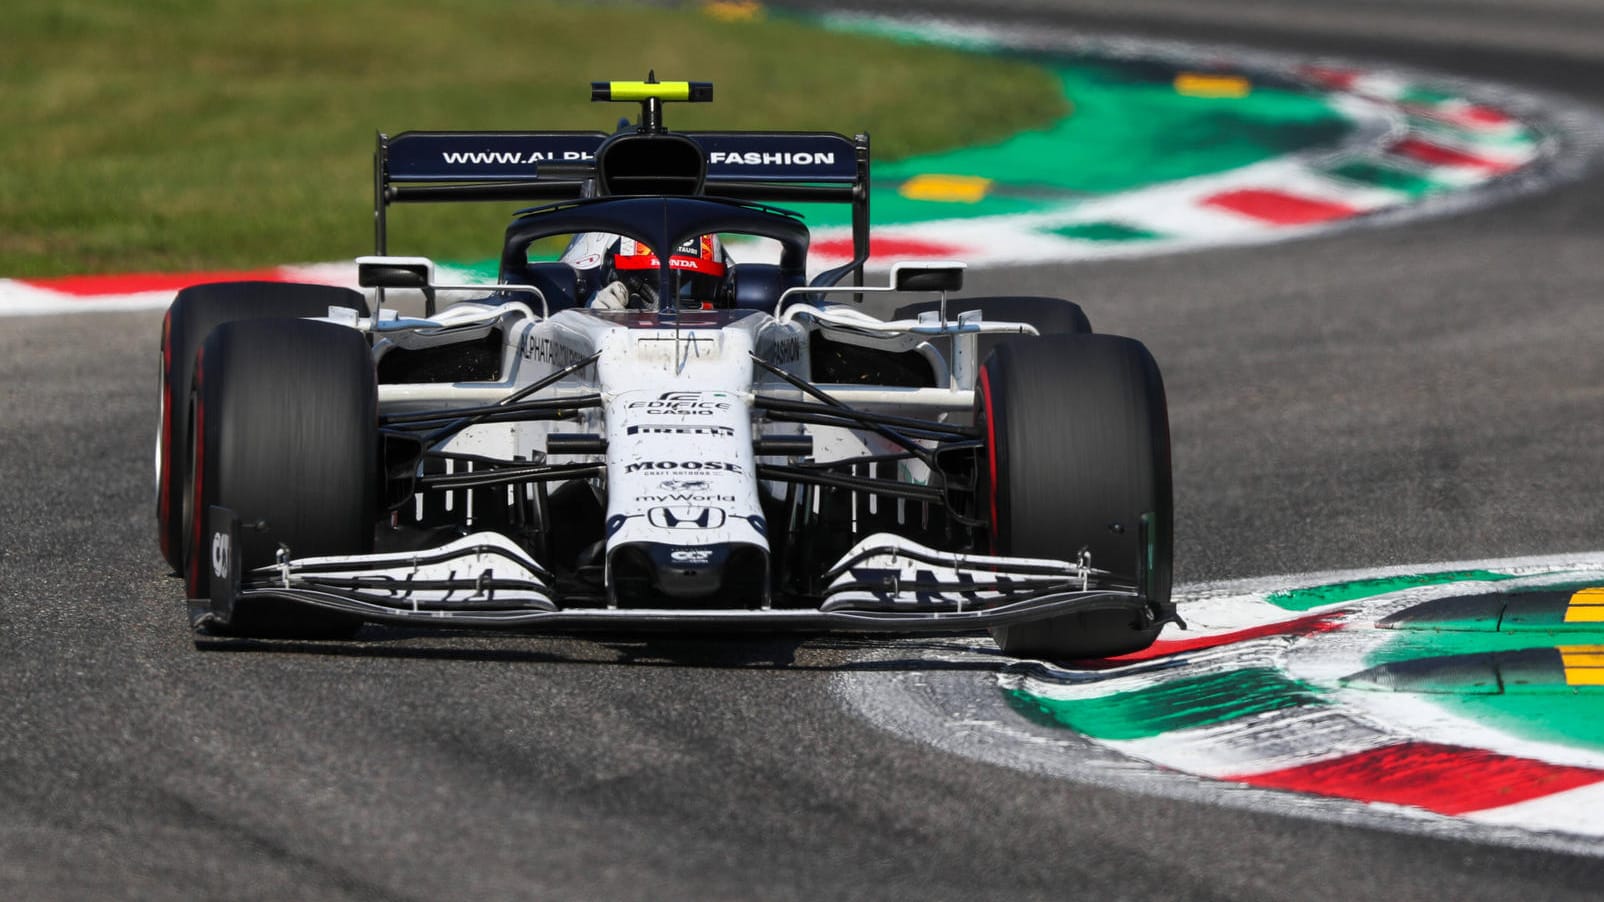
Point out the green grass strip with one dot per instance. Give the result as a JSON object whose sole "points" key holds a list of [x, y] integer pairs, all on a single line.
{"points": [[1179, 704], [184, 134]]}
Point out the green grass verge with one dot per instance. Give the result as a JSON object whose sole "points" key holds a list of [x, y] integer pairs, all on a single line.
{"points": [[180, 134]]}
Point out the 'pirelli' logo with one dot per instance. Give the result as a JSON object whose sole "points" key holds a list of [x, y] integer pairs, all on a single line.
{"points": [[671, 429]]}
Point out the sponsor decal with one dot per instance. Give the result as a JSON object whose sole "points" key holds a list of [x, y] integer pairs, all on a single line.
{"points": [[689, 517], [672, 466], [674, 429], [696, 557], [700, 255], [754, 158], [684, 403], [547, 350], [684, 485], [511, 157], [686, 498], [783, 351]]}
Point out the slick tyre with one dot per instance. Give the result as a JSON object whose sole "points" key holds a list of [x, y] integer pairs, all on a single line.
{"points": [[1078, 451], [191, 317], [284, 433]]}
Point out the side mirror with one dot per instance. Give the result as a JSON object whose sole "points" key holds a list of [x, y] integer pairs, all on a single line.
{"points": [[395, 272], [942, 275]]}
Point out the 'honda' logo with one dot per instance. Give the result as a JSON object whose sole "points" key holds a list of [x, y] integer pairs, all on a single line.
{"points": [[685, 517]]}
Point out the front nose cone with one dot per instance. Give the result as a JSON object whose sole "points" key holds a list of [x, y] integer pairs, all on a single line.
{"points": [[726, 574]]}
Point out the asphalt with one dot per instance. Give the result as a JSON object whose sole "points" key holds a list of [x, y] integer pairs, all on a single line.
{"points": [[1424, 392]]}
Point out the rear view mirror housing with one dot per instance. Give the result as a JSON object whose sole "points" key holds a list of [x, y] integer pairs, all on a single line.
{"points": [[927, 275], [395, 272]]}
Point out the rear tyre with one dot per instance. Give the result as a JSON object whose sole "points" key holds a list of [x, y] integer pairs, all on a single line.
{"points": [[191, 317], [285, 434], [1078, 451]]}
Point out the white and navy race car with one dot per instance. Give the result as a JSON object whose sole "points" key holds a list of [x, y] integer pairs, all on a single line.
{"points": [[644, 432]]}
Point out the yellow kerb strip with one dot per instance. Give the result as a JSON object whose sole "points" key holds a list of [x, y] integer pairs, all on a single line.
{"points": [[640, 90], [1194, 84], [1586, 606], [1584, 664], [956, 189], [734, 10]]}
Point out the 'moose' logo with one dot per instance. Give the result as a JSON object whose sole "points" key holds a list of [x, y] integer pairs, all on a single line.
{"points": [[690, 466]]}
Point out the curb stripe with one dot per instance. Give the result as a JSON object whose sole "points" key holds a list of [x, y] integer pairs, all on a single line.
{"points": [[1180, 704], [889, 247], [1302, 599], [1278, 207], [1382, 176], [136, 283], [1580, 810], [1271, 742], [1447, 779], [1586, 606], [1584, 664], [1045, 681], [1438, 155], [960, 189], [1418, 761], [1315, 623]]}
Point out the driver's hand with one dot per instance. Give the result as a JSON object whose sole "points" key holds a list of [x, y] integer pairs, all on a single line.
{"points": [[613, 296]]}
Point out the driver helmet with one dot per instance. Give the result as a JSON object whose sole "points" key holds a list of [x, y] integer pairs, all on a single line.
{"points": [[698, 270]]}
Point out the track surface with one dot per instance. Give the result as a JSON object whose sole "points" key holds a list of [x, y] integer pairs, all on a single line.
{"points": [[1382, 396]]}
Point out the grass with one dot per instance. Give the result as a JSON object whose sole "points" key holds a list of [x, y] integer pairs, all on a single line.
{"points": [[174, 135]]}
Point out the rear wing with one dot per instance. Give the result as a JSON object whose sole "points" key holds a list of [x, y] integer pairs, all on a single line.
{"points": [[765, 167]]}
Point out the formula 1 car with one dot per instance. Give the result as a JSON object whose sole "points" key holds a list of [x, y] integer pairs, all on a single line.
{"points": [[651, 433]]}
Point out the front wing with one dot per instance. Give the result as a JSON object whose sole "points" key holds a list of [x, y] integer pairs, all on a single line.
{"points": [[485, 580]]}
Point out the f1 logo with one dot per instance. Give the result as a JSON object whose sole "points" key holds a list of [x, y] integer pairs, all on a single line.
{"points": [[685, 517]]}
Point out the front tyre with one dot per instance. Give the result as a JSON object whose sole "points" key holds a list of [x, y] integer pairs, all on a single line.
{"points": [[284, 434], [195, 311], [1078, 451]]}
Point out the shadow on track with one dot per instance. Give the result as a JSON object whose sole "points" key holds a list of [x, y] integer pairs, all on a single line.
{"points": [[801, 652]]}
